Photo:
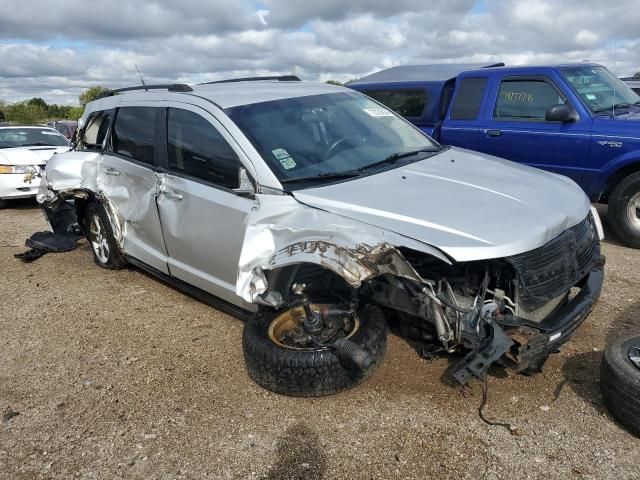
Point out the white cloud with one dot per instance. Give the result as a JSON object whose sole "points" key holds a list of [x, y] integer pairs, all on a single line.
{"points": [[63, 50]]}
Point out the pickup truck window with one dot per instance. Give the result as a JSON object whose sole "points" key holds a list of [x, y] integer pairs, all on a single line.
{"points": [[599, 89], [526, 99], [406, 102], [466, 104]]}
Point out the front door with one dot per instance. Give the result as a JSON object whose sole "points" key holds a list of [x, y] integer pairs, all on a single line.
{"points": [[203, 219], [514, 127]]}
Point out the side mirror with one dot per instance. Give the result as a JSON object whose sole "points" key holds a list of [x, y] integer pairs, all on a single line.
{"points": [[561, 113], [246, 188]]}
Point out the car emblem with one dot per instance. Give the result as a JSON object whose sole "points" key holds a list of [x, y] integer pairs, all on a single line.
{"points": [[634, 355]]}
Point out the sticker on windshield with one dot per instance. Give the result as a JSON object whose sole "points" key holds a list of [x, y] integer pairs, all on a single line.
{"points": [[378, 112], [44, 132], [591, 96], [280, 153], [287, 163]]}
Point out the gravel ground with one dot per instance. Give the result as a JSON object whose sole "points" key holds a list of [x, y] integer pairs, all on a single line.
{"points": [[116, 375]]}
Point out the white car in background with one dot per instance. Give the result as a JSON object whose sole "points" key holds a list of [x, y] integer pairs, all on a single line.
{"points": [[25, 150]]}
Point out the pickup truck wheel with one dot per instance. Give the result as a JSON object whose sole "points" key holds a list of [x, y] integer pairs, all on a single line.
{"points": [[279, 359], [624, 210], [106, 252], [620, 381]]}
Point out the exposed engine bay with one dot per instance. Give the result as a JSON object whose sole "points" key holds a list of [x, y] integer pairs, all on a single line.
{"points": [[509, 310]]}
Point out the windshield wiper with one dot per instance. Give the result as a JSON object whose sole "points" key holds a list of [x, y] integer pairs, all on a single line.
{"points": [[397, 156], [612, 107], [322, 176]]}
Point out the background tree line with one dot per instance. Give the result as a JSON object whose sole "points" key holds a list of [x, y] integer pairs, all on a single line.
{"points": [[36, 110]]}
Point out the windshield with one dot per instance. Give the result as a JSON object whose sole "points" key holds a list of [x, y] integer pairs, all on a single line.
{"points": [[323, 136], [29, 137], [599, 89]]}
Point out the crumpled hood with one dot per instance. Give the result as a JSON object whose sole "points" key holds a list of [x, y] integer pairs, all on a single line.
{"points": [[29, 155], [470, 205]]}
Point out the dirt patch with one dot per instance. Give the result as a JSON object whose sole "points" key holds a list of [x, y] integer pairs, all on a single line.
{"points": [[114, 375]]}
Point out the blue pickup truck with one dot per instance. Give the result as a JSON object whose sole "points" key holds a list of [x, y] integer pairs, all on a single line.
{"points": [[577, 120]]}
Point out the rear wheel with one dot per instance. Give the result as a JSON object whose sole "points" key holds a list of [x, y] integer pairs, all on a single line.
{"points": [[624, 210], [281, 356], [106, 252]]}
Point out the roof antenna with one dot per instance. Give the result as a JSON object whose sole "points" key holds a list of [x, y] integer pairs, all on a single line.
{"points": [[141, 79]]}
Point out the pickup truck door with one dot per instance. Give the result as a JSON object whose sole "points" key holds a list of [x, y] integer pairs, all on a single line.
{"points": [[460, 128], [203, 218], [514, 126]]}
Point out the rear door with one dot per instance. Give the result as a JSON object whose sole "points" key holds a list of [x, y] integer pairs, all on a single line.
{"points": [[461, 126], [514, 126], [131, 183], [203, 218]]}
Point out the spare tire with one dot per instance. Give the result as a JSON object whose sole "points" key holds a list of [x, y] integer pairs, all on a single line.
{"points": [[310, 372], [620, 381]]}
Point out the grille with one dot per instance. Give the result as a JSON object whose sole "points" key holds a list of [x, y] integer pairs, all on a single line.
{"points": [[551, 270]]}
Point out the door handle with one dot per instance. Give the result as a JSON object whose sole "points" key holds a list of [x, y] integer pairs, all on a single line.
{"points": [[493, 133], [112, 171], [173, 195]]}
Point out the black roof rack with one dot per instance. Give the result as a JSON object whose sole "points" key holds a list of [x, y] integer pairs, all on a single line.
{"points": [[280, 78], [172, 87], [501, 64]]}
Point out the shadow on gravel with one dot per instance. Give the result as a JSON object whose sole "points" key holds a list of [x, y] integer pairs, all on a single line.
{"points": [[299, 455], [625, 323], [582, 374]]}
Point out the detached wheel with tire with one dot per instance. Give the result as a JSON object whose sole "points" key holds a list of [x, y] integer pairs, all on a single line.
{"points": [[345, 349], [620, 381], [624, 210], [106, 252]]}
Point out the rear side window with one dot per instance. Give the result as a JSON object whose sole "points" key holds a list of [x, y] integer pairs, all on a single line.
{"points": [[134, 133], [95, 131], [526, 99], [408, 103], [466, 104], [198, 150]]}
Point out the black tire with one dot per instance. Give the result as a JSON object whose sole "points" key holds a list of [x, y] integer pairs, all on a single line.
{"points": [[620, 383], [3, 203], [110, 255], [619, 207], [310, 373]]}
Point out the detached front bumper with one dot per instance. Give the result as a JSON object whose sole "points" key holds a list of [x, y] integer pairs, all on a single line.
{"points": [[533, 343], [12, 185]]}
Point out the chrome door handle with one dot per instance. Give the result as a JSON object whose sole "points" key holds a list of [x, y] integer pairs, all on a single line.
{"points": [[112, 171], [172, 194]]}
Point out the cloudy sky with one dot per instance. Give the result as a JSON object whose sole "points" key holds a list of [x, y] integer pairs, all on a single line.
{"points": [[55, 50]]}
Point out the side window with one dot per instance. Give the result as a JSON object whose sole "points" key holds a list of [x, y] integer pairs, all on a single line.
{"points": [[408, 103], [466, 104], [134, 133], [197, 149], [526, 99], [95, 131]]}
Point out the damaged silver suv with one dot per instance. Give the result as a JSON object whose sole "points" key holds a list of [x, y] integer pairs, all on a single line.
{"points": [[321, 217]]}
